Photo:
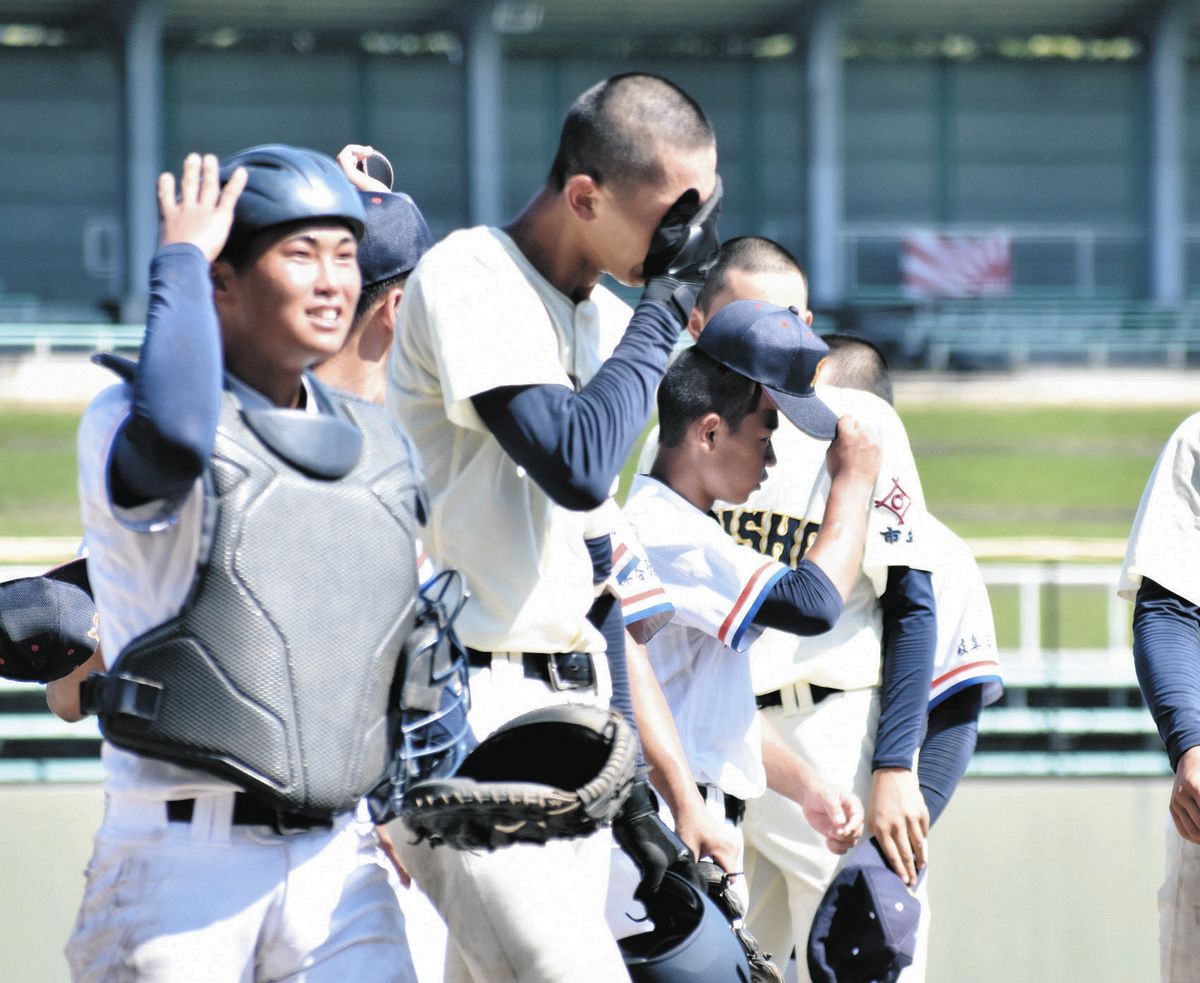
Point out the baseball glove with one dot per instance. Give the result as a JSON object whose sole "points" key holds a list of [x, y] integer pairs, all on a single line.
{"points": [[717, 886], [558, 772]]}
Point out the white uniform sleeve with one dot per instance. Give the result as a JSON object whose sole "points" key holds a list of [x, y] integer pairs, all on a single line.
{"points": [[474, 324], [966, 634], [898, 523], [716, 585], [1163, 543], [645, 605]]}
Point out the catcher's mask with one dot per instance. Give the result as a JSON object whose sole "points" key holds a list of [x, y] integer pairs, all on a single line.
{"points": [[691, 940], [430, 734]]}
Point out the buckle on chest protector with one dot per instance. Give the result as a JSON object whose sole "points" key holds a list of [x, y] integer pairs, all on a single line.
{"points": [[131, 696]]}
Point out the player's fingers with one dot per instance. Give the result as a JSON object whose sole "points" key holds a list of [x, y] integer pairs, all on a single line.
{"points": [[1186, 818], [831, 804], [893, 854], [166, 193], [190, 181], [210, 181], [917, 839], [233, 188], [854, 812]]}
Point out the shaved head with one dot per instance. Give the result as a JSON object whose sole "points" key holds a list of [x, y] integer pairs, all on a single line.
{"points": [[748, 255], [855, 363], [618, 131]]}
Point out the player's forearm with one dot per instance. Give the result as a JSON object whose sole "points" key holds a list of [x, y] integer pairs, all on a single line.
{"points": [[670, 773], [573, 444], [909, 638], [1166, 654], [948, 746], [838, 548], [787, 773], [803, 601], [164, 445]]}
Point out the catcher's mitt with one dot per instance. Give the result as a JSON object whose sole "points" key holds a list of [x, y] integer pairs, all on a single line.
{"points": [[716, 882], [554, 773]]}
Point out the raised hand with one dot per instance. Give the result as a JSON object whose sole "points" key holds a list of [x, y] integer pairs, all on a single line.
{"points": [[202, 212]]}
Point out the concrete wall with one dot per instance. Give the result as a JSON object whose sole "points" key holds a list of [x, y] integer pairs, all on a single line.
{"points": [[1032, 880]]}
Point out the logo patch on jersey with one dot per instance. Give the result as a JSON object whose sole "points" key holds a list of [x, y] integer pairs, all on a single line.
{"points": [[896, 501]]}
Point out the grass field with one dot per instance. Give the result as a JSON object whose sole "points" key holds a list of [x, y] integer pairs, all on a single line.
{"points": [[1071, 473], [986, 472]]}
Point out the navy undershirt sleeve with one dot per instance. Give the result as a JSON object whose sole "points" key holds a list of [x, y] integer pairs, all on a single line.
{"points": [[1166, 654], [909, 638], [165, 443], [948, 746], [573, 444], [803, 601], [605, 615]]}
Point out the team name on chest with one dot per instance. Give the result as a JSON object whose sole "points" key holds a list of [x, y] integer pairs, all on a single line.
{"points": [[785, 538]]}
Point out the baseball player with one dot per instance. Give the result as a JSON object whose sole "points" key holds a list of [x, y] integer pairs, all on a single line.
{"points": [[508, 373], [225, 852], [823, 696], [966, 673], [1160, 576], [715, 443]]}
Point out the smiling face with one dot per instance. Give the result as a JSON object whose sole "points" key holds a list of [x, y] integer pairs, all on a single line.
{"points": [[293, 304], [739, 457]]}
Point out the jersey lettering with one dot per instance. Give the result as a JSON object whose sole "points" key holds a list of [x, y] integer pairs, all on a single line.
{"points": [[785, 538]]}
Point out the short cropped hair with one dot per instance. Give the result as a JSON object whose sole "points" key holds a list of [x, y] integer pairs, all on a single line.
{"points": [[370, 294], [616, 130], [696, 384], [855, 363], [747, 254]]}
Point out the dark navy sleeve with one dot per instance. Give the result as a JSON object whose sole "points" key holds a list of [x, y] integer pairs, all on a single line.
{"points": [[165, 443], [948, 746], [1166, 654], [573, 444], [803, 601], [605, 615], [909, 639]]}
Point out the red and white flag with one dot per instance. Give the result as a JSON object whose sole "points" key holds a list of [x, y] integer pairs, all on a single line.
{"points": [[934, 265]]}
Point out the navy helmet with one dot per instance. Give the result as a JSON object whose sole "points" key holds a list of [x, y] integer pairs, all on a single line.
{"points": [[691, 940], [290, 184]]}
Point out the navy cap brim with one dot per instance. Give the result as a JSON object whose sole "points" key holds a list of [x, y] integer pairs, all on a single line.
{"points": [[807, 412]]}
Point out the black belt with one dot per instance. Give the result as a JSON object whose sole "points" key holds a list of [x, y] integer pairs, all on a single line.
{"points": [[248, 811], [558, 670], [775, 697], [735, 808]]}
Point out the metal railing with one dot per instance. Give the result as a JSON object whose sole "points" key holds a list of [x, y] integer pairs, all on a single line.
{"points": [[1066, 710]]}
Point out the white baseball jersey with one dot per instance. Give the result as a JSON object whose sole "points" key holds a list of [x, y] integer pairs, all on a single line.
{"points": [[477, 316], [700, 656], [966, 652], [782, 518], [1163, 544]]}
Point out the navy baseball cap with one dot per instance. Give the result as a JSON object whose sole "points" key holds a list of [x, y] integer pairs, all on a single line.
{"points": [[775, 348], [396, 237], [865, 928], [47, 624]]}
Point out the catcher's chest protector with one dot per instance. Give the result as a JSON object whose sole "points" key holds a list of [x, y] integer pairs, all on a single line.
{"points": [[276, 672]]}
